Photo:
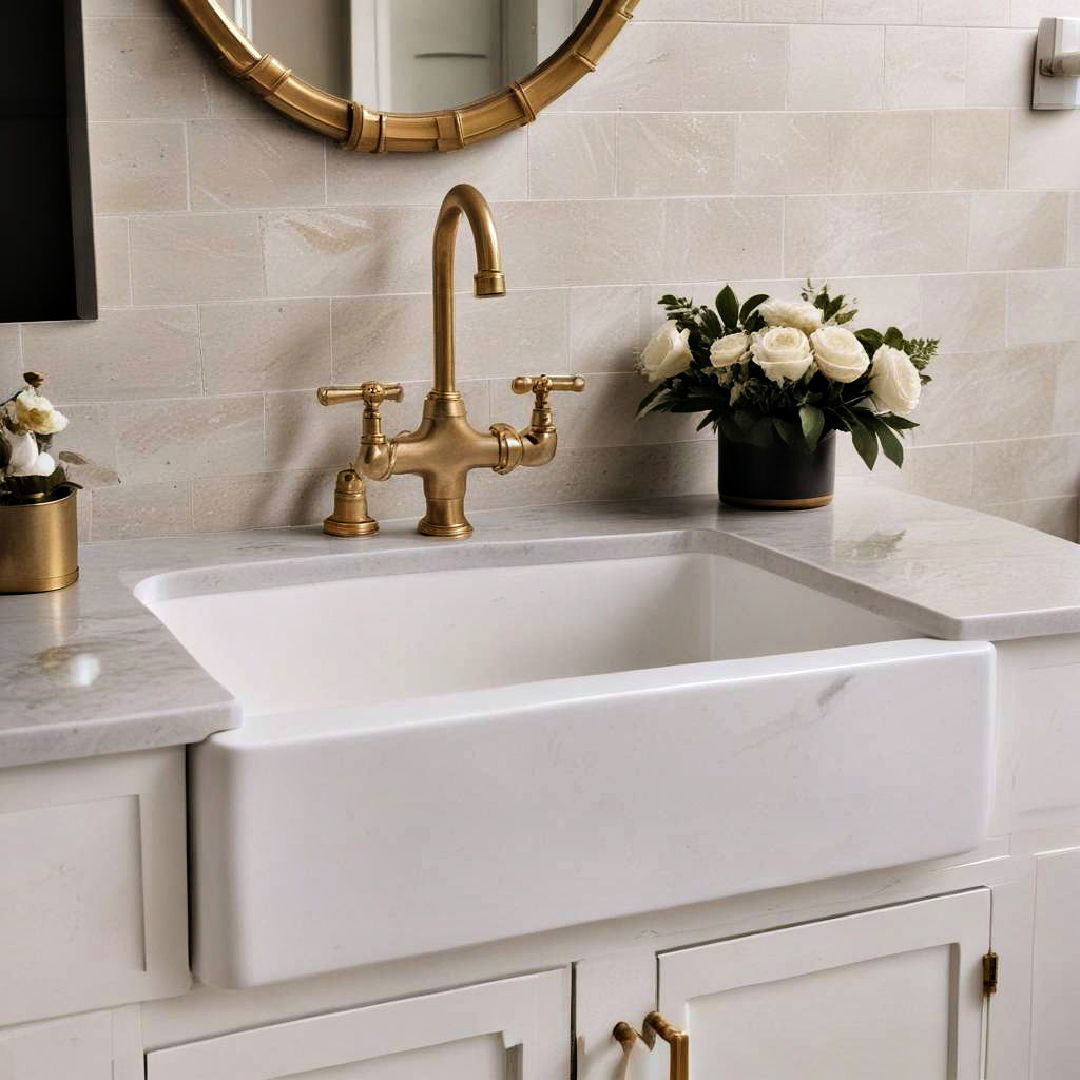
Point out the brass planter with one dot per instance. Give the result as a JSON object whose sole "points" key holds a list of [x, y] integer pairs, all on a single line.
{"points": [[39, 545]]}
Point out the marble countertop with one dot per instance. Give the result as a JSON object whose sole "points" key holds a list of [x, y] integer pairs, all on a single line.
{"points": [[90, 671]]}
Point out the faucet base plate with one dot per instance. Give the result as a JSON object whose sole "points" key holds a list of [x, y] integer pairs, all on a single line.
{"points": [[334, 527], [458, 531]]}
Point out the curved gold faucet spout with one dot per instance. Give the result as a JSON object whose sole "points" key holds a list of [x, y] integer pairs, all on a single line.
{"points": [[488, 281]]}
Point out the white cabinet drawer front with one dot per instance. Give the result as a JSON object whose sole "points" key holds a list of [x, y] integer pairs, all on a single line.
{"points": [[514, 1027], [93, 888], [894, 994]]}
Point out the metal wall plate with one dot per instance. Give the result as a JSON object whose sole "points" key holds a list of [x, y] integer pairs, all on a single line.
{"points": [[1057, 37]]}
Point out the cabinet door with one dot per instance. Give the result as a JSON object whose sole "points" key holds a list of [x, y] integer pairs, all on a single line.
{"points": [[893, 994], [513, 1028]]}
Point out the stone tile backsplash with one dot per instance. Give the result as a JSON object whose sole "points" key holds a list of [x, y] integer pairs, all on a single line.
{"points": [[884, 144]]}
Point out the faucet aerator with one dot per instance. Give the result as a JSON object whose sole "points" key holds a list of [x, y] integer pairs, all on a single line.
{"points": [[489, 283]]}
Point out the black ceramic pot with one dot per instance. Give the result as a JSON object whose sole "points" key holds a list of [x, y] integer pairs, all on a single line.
{"points": [[776, 477]]}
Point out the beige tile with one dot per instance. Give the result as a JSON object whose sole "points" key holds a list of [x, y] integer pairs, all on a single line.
{"points": [[355, 252], [1013, 389], [96, 9], [602, 473], [1006, 471], [572, 156], [1073, 252], [389, 337], [265, 345], [177, 440], [1067, 396], [965, 311], [179, 259], [581, 242], [964, 12], [1029, 12], [882, 301], [876, 234], [782, 153], [676, 154], [688, 10], [140, 69], [934, 472], [265, 162], [263, 500], [302, 434], [1043, 307], [670, 67], [782, 11], [970, 149], [1044, 150], [126, 355], [999, 64], [113, 259], [141, 510], [879, 152], [498, 168], [742, 237], [605, 329], [925, 67], [836, 67], [228, 98], [871, 11], [139, 166], [1058, 517], [604, 414], [91, 433], [1018, 230], [11, 365]]}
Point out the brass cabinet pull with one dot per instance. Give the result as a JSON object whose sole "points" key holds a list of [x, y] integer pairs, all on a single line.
{"points": [[654, 1024]]}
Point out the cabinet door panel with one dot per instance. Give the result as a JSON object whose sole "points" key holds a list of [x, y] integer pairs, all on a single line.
{"points": [[894, 993], [516, 1028]]}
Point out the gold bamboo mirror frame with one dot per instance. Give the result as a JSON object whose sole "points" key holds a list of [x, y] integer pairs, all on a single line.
{"points": [[358, 128]]}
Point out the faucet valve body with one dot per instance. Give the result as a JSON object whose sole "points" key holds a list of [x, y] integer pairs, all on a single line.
{"points": [[350, 516]]}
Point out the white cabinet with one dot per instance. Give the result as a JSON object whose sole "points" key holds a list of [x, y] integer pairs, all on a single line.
{"points": [[93, 897], [1055, 1037], [895, 993], [92, 1046], [517, 1028]]}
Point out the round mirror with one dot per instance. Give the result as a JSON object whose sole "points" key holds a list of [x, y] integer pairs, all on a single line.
{"points": [[409, 74]]}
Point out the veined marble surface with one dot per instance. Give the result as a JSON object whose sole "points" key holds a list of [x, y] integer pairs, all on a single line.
{"points": [[89, 670]]}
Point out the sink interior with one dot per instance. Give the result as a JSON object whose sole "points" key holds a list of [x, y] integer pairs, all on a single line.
{"points": [[388, 636]]}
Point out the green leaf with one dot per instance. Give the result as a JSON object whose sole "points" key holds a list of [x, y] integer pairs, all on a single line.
{"points": [[649, 402], [894, 338], [761, 434], [727, 304], [899, 423], [870, 338], [893, 447], [812, 420], [744, 419], [865, 442], [731, 430], [790, 432], [751, 306], [844, 318]]}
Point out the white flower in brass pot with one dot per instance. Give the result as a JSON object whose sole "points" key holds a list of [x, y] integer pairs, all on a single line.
{"points": [[839, 354], [37, 414], [895, 383], [667, 354], [782, 353]]}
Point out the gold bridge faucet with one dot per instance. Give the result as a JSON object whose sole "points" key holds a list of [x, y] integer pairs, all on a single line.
{"points": [[445, 447]]}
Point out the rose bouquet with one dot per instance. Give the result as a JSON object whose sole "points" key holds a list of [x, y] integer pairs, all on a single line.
{"points": [[770, 372]]}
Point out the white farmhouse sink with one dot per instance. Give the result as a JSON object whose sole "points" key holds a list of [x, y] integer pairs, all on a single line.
{"points": [[435, 759]]}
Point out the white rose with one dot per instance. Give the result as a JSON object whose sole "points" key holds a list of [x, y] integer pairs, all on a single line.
{"points": [[667, 354], [24, 454], [729, 349], [36, 413], [839, 354], [895, 385], [782, 353], [804, 317]]}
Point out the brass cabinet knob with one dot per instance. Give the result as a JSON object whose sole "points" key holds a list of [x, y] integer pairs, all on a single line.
{"points": [[654, 1024]]}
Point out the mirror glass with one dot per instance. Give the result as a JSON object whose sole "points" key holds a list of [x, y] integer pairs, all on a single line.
{"points": [[408, 56]]}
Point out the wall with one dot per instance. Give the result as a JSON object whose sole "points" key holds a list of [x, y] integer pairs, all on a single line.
{"points": [[883, 144]]}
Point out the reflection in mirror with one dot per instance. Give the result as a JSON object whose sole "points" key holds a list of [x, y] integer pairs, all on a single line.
{"points": [[409, 55]]}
